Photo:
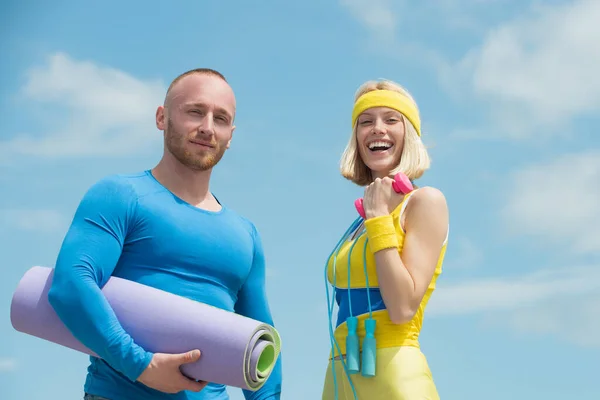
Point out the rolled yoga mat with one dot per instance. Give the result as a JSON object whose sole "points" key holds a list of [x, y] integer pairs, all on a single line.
{"points": [[236, 350]]}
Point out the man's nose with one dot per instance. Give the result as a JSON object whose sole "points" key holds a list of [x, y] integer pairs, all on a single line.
{"points": [[207, 126]]}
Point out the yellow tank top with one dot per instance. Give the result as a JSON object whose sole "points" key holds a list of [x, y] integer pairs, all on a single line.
{"points": [[387, 333]]}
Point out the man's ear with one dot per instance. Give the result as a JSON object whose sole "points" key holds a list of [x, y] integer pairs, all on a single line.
{"points": [[160, 118], [230, 137]]}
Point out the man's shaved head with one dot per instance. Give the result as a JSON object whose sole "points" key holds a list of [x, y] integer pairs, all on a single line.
{"points": [[199, 71]]}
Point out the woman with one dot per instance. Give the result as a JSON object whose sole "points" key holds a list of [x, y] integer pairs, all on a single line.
{"points": [[386, 265]]}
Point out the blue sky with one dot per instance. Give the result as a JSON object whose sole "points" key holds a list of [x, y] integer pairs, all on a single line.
{"points": [[509, 97]]}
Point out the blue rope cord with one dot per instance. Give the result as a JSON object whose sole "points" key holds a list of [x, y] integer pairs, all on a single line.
{"points": [[330, 305]]}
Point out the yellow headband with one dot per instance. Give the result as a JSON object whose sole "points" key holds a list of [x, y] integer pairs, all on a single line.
{"points": [[391, 99]]}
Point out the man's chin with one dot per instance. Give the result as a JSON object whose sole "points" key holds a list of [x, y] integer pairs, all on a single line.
{"points": [[205, 163], [200, 166]]}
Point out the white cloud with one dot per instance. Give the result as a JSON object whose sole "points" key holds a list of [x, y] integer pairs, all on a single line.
{"points": [[539, 71], [507, 294], [391, 29], [33, 220], [558, 202], [7, 364], [385, 18], [375, 15], [101, 111], [574, 319], [564, 303], [536, 72]]}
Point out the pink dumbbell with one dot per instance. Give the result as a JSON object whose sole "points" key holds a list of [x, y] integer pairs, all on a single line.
{"points": [[401, 184]]}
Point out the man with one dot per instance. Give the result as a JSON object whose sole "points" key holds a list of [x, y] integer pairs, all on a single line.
{"points": [[163, 228]]}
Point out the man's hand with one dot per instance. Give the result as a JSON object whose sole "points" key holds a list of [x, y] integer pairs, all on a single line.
{"points": [[163, 373]]}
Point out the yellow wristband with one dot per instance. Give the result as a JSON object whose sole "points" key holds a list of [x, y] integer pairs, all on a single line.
{"points": [[381, 233]]}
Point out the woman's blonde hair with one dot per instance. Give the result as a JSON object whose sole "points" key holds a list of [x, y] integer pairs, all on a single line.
{"points": [[414, 160]]}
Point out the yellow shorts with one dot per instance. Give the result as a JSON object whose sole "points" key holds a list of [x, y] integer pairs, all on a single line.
{"points": [[402, 374]]}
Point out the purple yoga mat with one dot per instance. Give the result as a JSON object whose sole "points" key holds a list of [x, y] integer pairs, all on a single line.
{"points": [[236, 351]]}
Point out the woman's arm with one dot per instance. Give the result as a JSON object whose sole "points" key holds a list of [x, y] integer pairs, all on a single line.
{"points": [[404, 278]]}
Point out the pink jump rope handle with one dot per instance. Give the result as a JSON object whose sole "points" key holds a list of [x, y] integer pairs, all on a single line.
{"points": [[401, 184]]}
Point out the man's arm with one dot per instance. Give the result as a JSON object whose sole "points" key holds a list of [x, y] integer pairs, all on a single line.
{"points": [[87, 258], [253, 303]]}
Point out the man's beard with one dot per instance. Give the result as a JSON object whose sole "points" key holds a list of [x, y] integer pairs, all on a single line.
{"points": [[199, 161]]}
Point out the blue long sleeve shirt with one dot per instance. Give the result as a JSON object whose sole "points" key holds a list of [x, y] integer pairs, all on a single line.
{"points": [[132, 227]]}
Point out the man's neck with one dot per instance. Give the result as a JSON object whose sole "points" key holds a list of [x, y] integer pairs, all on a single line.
{"points": [[190, 185]]}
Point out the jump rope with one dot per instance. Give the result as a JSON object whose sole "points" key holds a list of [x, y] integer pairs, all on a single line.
{"points": [[353, 364]]}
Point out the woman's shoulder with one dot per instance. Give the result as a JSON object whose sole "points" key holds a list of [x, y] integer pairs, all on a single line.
{"points": [[429, 196], [428, 209]]}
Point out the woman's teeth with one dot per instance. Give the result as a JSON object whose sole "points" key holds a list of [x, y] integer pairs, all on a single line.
{"points": [[379, 146]]}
